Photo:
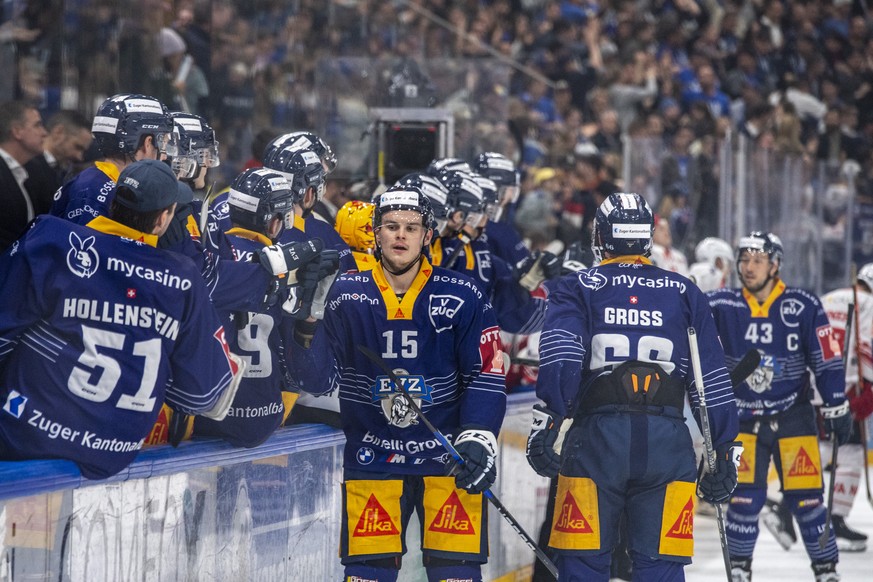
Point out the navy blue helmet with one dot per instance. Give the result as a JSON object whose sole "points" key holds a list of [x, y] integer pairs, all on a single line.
{"points": [[122, 122], [623, 225], [257, 195]]}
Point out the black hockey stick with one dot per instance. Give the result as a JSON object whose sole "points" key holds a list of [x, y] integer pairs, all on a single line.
{"points": [[745, 367], [464, 241], [825, 535], [501, 509], [707, 440]]}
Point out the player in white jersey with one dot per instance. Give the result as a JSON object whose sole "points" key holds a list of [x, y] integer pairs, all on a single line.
{"points": [[715, 259]]}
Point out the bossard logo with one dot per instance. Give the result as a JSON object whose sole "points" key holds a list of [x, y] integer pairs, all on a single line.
{"points": [[375, 521], [802, 465], [442, 310], [452, 518], [683, 528], [591, 279], [15, 403], [572, 520], [790, 311], [82, 258], [365, 455]]}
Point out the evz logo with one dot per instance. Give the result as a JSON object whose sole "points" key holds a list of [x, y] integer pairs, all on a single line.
{"points": [[483, 263], [82, 258], [395, 403], [442, 310], [762, 378], [592, 279], [790, 311]]}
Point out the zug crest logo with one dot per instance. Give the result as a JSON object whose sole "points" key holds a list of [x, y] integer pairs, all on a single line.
{"points": [[762, 378], [592, 279], [442, 310], [395, 404], [790, 311], [82, 258]]}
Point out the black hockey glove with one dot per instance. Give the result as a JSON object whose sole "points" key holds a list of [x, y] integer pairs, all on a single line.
{"points": [[544, 430], [478, 448], [313, 277], [178, 427], [574, 259], [285, 258], [536, 268], [716, 487], [838, 421]]}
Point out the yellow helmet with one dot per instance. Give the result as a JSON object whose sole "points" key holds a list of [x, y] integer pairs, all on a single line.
{"points": [[354, 223]]}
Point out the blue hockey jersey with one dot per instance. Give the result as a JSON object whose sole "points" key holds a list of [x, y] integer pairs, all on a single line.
{"points": [[517, 311], [314, 227], [441, 340], [503, 241], [97, 330], [628, 309], [793, 334], [258, 337], [88, 195]]}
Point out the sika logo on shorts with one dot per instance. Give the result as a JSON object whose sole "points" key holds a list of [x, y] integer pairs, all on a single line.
{"points": [[82, 258], [452, 517], [746, 469], [576, 523], [677, 519], [372, 516], [801, 464]]}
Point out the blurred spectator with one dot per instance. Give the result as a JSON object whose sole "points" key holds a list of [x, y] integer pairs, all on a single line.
{"points": [[536, 215], [21, 139], [183, 83], [664, 254], [69, 136], [636, 85]]}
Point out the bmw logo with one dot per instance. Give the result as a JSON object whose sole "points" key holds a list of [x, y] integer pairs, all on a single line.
{"points": [[365, 455]]}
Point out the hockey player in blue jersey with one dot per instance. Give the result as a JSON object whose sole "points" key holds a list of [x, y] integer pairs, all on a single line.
{"points": [[614, 357], [98, 328], [126, 128], [790, 329], [436, 329], [500, 235], [261, 206]]}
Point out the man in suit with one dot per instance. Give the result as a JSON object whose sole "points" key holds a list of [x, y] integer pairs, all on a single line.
{"points": [[69, 135], [21, 138]]}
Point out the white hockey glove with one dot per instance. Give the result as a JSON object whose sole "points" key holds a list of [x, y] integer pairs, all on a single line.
{"points": [[541, 453], [283, 259]]}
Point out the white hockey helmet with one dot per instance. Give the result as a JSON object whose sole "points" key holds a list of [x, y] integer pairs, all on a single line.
{"points": [[711, 248], [866, 275]]}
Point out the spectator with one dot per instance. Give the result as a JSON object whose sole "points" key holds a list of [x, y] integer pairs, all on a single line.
{"points": [[21, 139], [69, 136]]}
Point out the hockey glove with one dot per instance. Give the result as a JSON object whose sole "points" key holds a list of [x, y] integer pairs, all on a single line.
{"points": [[536, 268], [716, 486], [279, 259], [838, 421], [180, 427], [478, 448], [861, 402], [313, 280], [544, 430]]}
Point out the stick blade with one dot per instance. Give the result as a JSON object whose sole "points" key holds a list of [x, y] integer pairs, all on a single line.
{"points": [[745, 367]]}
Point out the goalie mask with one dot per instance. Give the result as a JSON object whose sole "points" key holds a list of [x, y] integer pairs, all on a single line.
{"points": [[123, 121], [197, 147], [623, 225], [258, 195]]}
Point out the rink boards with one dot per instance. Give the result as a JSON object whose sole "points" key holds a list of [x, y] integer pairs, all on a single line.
{"points": [[206, 511]]}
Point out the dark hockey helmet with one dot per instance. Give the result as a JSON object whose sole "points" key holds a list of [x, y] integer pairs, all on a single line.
{"points": [[197, 145], [464, 193], [430, 187], [301, 140], [489, 192], [438, 166], [403, 197], [761, 242], [301, 167], [257, 195], [123, 121], [497, 167], [623, 225]]}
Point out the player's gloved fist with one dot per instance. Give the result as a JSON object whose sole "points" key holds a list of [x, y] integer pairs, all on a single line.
{"points": [[478, 448], [544, 430], [838, 421], [282, 258], [536, 268], [717, 486]]}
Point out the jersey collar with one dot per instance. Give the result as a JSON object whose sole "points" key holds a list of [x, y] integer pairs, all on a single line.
{"points": [[251, 235], [109, 169], [109, 226], [763, 309], [394, 308], [627, 259], [299, 223], [436, 252]]}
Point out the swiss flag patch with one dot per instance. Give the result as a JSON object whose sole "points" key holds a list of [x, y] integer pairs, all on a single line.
{"points": [[827, 341]]}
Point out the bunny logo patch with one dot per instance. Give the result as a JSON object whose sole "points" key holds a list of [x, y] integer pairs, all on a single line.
{"points": [[82, 259]]}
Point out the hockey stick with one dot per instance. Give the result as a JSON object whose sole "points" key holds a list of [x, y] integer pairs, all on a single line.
{"points": [[707, 441], [465, 240], [501, 509], [825, 535], [745, 367]]}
